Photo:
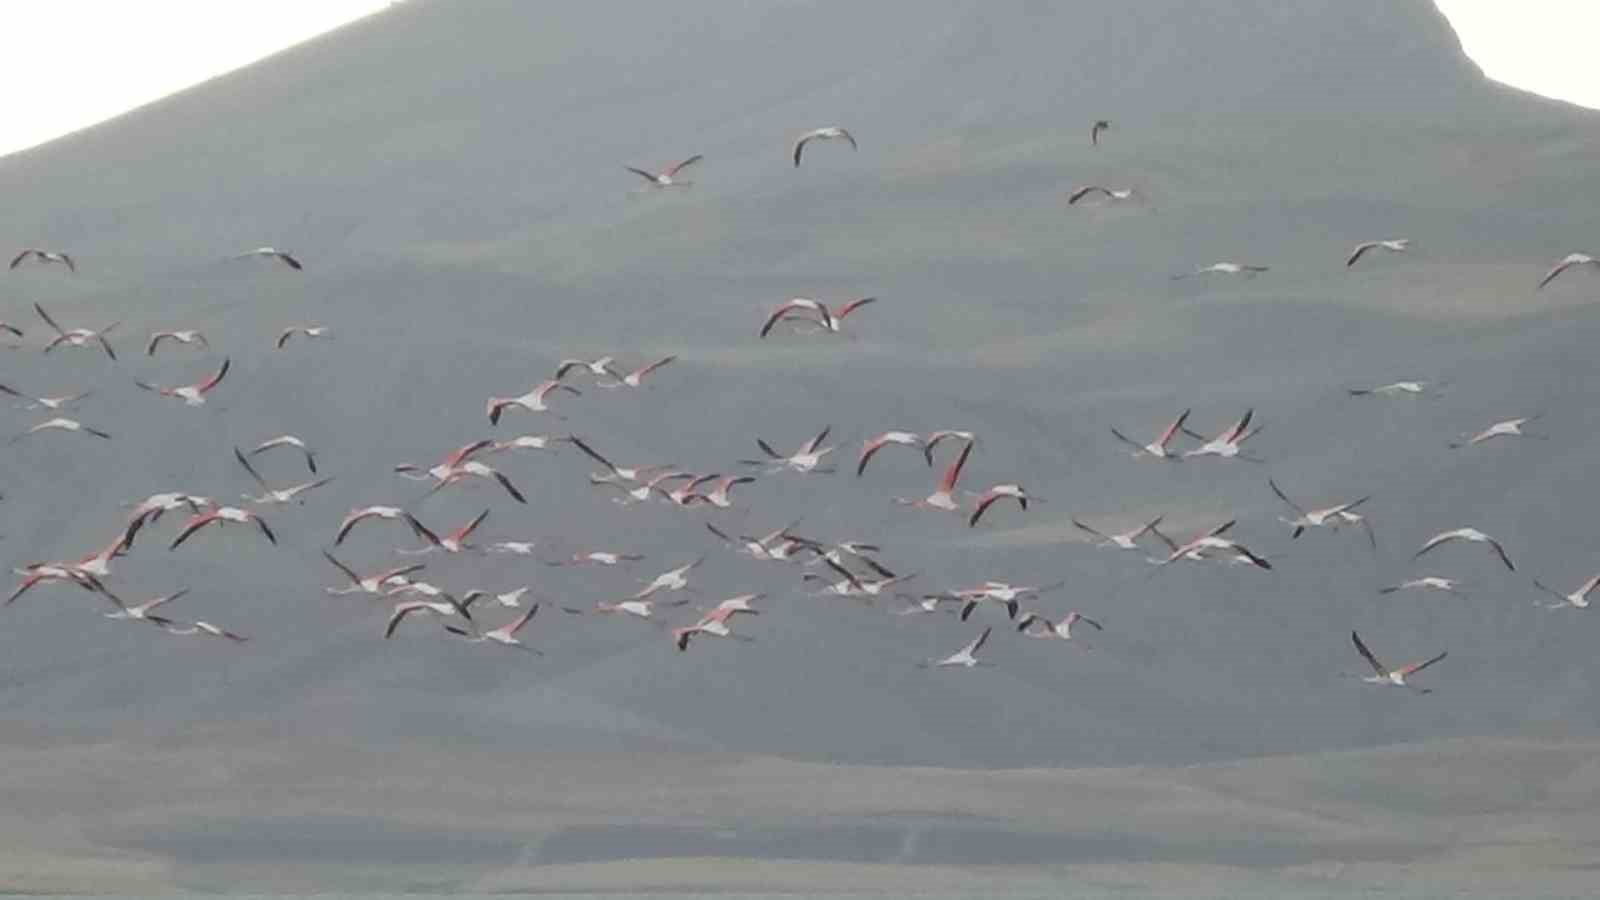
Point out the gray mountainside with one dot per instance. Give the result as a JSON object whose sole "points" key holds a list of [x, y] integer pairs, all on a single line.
{"points": [[451, 173]]}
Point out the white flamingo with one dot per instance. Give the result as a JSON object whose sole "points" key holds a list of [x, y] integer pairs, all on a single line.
{"points": [[1472, 535], [191, 394], [287, 440], [1578, 599], [1157, 448], [1387, 676], [1397, 245], [1571, 260], [370, 584], [965, 658], [667, 177], [532, 401], [871, 447], [45, 257], [310, 331], [828, 133], [287, 259], [61, 423], [1508, 428], [1127, 540]]}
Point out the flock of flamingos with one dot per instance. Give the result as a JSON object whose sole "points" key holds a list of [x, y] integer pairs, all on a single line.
{"points": [[841, 569]]}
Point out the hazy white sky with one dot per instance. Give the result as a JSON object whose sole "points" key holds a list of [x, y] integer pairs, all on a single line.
{"points": [[71, 63]]}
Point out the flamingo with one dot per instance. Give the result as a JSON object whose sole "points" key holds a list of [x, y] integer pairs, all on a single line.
{"points": [[1578, 599], [1116, 195], [1467, 534], [1508, 428], [453, 542], [56, 403], [966, 657], [98, 562], [1095, 129], [151, 508], [1224, 268], [62, 424], [640, 493], [670, 580], [775, 547], [197, 628], [445, 607], [475, 469], [370, 584], [139, 612], [684, 494], [1036, 625], [1397, 245], [873, 445], [1395, 677], [186, 336], [636, 377], [667, 177], [636, 473], [514, 548], [1392, 389], [1314, 518], [944, 497], [7, 326], [288, 440], [287, 259], [596, 558], [528, 442], [994, 495], [806, 459], [505, 635], [362, 514], [844, 553], [1127, 540], [718, 495], [828, 320], [310, 331], [508, 599], [223, 515], [1227, 444], [449, 466], [191, 394], [1427, 582], [1196, 549], [829, 133], [1571, 259], [1158, 447], [737, 605], [45, 257], [532, 401], [40, 572], [599, 368], [77, 337], [280, 495], [851, 585], [713, 625], [640, 609]]}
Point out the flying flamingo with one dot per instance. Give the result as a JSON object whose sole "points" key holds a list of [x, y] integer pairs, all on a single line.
{"points": [[7, 326], [1036, 625], [1196, 549], [944, 497], [475, 469], [829, 133], [1578, 599], [310, 331], [1427, 582], [45, 257], [775, 547], [1398, 245], [1227, 444], [362, 514], [1389, 390], [1314, 518], [77, 337], [715, 623], [966, 657], [56, 403], [271, 253], [718, 495], [636, 473], [1094, 131], [514, 548], [1116, 195], [371, 584], [40, 572], [223, 515], [190, 394], [798, 307], [873, 445], [1158, 447], [1467, 534], [276, 495], [670, 580], [640, 493], [806, 459], [453, 542], [1127, 540], [938, 437], [528, 442], [449, 466], [667, 177], [197, 628], [532, 401], [288, 440], [1508, 428], [636, 377], [1224, 268], [1572, 259], [994, 495], [139, 612], [595, 558], [508, 599], [599, 368], [505, 635], [684, 494], [1396, 677], [638, 608], [445, 607], [186, 336], [62, 424]]}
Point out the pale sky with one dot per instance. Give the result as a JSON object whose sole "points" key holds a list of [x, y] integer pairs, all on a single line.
{"points": [[65, 73]]}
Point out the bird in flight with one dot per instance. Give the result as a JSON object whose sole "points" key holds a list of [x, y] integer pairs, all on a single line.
{"points": [[184, 336], [77, 337], [1571, 260], [1398, 245], [310, 331], [830, 133], [271, 253], [1224, 268], [190, 394], [965, 658], [1157, 448], [667, 177], [1508, 428], [1099, 126], [1115, 195], [1395, 677], [45, 257], [1472, 535], [1578, 599], [801, 309]]}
